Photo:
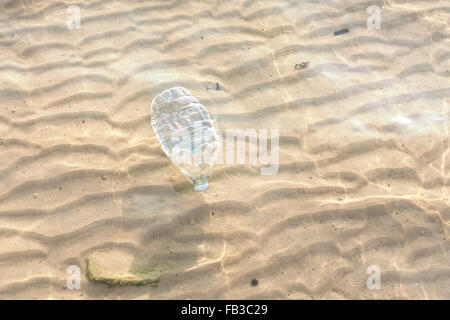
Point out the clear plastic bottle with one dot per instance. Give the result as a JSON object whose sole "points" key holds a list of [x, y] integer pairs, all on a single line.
{"points": [[186, 133]]}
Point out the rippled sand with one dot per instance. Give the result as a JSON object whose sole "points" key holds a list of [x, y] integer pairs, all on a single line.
{"points": [[364, 150]]}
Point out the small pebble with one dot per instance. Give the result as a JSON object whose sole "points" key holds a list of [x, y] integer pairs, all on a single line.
{"points": [[303, 65], [342, 31], [254, 282]]}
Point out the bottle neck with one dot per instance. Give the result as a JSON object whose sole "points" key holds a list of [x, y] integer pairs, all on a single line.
{"points": [[201, 184]]}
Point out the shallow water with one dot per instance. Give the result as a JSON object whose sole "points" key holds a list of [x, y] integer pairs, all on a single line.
{"points": [[362, 181]]}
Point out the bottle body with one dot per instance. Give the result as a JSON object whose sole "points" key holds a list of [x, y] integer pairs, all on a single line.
{"points": [[186, 133]]}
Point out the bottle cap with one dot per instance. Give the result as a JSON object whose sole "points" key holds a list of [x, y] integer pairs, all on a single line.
{"points": [[201, 187], [201, 184]]}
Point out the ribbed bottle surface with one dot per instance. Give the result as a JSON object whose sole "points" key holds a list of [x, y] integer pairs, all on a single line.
{"points": [[186, 133]]}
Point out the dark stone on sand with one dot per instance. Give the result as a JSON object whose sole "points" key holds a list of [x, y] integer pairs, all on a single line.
{"points": [[254, 282], [342, 31], [303, 65]]}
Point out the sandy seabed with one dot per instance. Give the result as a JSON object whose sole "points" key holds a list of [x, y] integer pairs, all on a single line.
{"points": [[363, 176]]}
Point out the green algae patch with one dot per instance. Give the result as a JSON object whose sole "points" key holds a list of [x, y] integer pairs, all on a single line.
{"points": [[121, 268]]}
